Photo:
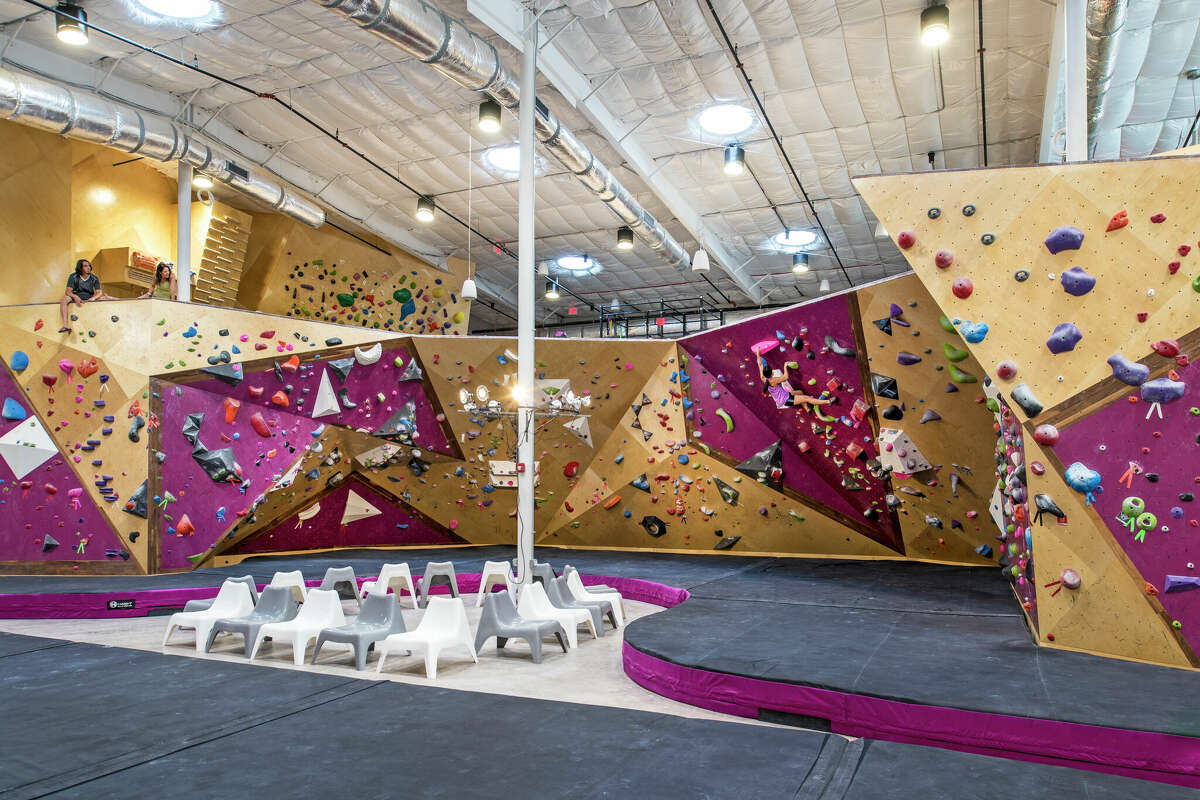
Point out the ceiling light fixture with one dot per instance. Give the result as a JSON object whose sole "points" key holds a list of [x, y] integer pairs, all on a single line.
{"points": [[795, 239], [201, 181], [624, 238], [425, 209], [700, 261], [489, 116], [178, 9], [70, 24], [824, 287], [935, 26], [506, 158], [581, 263], [799, 263], [735, 160], [726, 119], [469, 292], [551, 290]]}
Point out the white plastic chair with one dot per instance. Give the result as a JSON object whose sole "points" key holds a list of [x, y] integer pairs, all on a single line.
{"points": [[294, 579], [580, 592], [444, 625], [534, 604], [322, 609], [494, 573], [233, 600], [392, 577]]}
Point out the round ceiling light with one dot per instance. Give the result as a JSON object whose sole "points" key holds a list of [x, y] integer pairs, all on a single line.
{"points": [[178, 9], [581, 263], [727, 119], [792, 239], [506, 158]]}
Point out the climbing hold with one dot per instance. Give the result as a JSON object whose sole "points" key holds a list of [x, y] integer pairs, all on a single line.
{"points": [[724, 415], [1023, 396], [370, 355], [974, 332], [280, 399], [943, 259], [838, 348], [1157, 218], [1064, 338], [48, 543], [907, 359], [947, 325], [1046, 435], [906, 239], [13, 410], [962, 288], [1196, 283], [260, 425], [1076, 282], [1162, 390], [727, 542], [1006, 370], [345, 300], [884, 386], [959, 376], [929, 416], [135, 427], [184, 527], [953, 353], [968, 210], [1128, 372], [951, 388], [893, 412], [402, 295], [1119, 220], [1068, 237], [291, 365], [1021, 275], [984, 550], [934, 212], [1070, 578], [1083, 479], [19, 361], [1167, 348], [988, 238], [570, 469]]}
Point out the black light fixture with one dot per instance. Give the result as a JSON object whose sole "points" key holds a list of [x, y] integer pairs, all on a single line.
{"points": [[935, 25], [425, 209], [624, 238], [799, 263], [70, 23], [551, 290], [735, 159], [489, 116]]}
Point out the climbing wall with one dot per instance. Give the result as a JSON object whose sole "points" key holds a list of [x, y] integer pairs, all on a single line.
{"points": [[1078, 294]]}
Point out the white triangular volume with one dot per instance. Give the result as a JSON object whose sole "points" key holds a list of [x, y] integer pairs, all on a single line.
{"points": [[26, 447], [287, 478], [377, 456], [326, 401], [357, 508], [579, 426]]}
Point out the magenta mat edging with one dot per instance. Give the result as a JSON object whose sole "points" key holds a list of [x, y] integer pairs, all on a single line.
{"points": [[111, 605], [1139, 754]]}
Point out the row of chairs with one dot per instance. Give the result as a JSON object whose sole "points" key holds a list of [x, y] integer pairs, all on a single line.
{"points": [[287, 611]]}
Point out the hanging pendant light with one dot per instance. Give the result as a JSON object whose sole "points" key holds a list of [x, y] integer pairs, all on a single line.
{"points": [[824, 287], [700, 261], [624, 238], [935, 26], [469, 292], [799, 263], [425, 209], [489, 116], [70, 24], [735, 159], [551, 290]]}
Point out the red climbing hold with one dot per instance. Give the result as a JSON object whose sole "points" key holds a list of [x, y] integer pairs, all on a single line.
{"points": [[50, 380], [1184, 249], [1038, 467], [37, 326], [260, 346], [87, 367], [1142, 316], [570, 469], [280, 398], [1167, 348], [1173, 267], [255, 391], [1046, 435], [1119, 220], [943, 259], [231, 409], [291, 365], [185, 527], [51, 488], [1159, 218], [906, 239], [1006, 370], [267, 335], [962, 288], [260, 425]]}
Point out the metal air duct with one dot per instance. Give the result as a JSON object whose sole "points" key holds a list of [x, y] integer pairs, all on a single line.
{"points": [[1105, 18], [87, 117], [444, 43]]}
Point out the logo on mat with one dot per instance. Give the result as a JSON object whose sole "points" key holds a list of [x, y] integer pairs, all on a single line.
{"points": [[114, 605]]}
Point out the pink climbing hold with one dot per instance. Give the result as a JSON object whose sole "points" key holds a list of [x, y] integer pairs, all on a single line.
{"points": [[1159, 218], [1006, 370], [906, 239], [962, 288], [943, 259], [66, 366], [763, 347]]}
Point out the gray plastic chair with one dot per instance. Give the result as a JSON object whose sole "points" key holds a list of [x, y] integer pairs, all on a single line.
{"points": [[275, 604], [438, 573], [380, 618], [594, 587], [205, 604], [543, 573], [342, 580], [500, 619], [561, 597]]}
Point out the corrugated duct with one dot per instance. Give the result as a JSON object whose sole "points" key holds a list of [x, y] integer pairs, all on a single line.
{"points": [[1105, 18], [448, 46], [87, 117]]}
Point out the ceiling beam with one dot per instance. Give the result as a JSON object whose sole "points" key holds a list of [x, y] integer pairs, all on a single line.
{"points": [[504, 17]]}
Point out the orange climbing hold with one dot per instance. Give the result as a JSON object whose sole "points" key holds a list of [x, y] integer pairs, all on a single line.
{"points": [[1119, 220], [280, 399], [231, 409], [185, 527], [612, 501], [291, 365]]}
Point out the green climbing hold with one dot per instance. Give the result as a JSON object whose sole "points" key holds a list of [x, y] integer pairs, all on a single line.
{"points": [[402, 295], [345, 300], [196, 559], [707, 450], [958, 376], [162, 321], [1196, 283], [947, 325], [723, 414], [796, 515], [953, 353], [992, 405]]}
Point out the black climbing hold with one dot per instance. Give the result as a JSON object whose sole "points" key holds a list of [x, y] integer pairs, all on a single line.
{"points": [[988, 238], [893, 413], [968, 210], [934, 212], [883, 386], [346, 403], [91, 334], [837, 347], [1187, 497], [654, 526], [136, 504], [984, 550], [341, 367], [223, 332], [228, 373], [726, 543], [766, 465], [1152, 477], [728, 493], [1021, 275], [278, 372], [313, 474], [48, 543], [214, 360], [114, 318], [133, 535], [135, 427], [1046, 505], [871, 514], [884, 325], [225, 357]]}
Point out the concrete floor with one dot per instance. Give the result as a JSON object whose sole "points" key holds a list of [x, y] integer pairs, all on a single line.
{"points": [[590, 674]]}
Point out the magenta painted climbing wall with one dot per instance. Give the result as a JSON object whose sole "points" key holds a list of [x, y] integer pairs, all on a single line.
{"points": [[1150, 474], [825, 449], [352, 515]]}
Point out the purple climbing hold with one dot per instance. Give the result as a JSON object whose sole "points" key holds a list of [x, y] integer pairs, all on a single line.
{"points": [[929, 416], [1077, 282], [1180, 583], [895, 310], [1127, 371], [951, 387], [1066, 335], [1068, 237], [907, 359], [1162, 390]]}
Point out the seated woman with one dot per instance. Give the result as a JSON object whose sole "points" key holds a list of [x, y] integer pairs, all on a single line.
{"points": [[82, 287], [777, 386], [164, 287]]}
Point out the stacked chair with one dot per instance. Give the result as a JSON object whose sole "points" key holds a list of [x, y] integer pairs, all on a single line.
{"points": [[287, 611]]}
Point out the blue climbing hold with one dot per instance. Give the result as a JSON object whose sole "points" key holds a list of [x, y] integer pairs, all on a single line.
{"points": [[682, 459], [13, 410], [974, 332], [19, 361], [189, 333]]}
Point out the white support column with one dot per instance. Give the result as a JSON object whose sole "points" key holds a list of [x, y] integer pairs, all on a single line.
{"points": [[526, 311], [183, 233], [1075, 58]]}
